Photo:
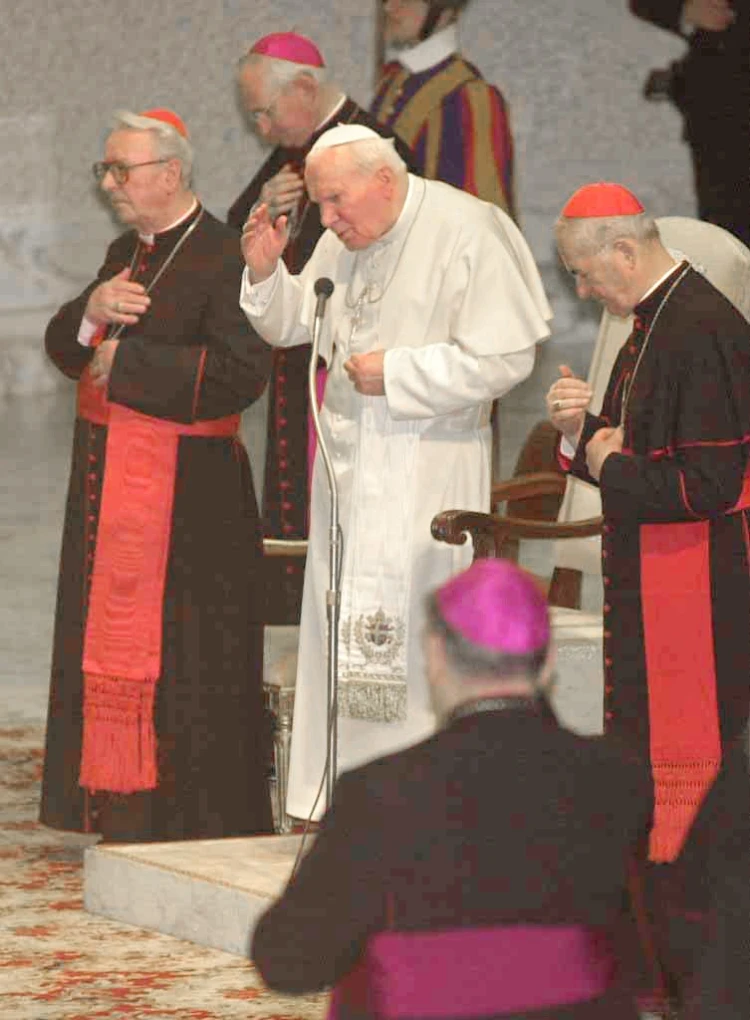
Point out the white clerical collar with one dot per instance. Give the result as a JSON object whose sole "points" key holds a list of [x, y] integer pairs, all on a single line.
{"points": [[404, 217], [331, 114], [431, 51], [659, 282], [149, 238]]}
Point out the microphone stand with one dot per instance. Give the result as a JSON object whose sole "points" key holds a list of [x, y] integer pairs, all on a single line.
{"points": [[323, 289]]}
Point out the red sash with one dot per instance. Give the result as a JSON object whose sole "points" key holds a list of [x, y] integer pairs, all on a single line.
{"points": [[685, 742], [123, 635]]}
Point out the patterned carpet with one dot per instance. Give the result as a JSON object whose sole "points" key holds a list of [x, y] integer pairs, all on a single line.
{"points": [[59, 963]]}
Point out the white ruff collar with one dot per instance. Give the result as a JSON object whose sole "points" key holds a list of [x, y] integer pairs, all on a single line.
{"points": [[430, 52]]}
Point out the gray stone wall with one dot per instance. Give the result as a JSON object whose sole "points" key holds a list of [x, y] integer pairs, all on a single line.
{"points": [[572, 71]]}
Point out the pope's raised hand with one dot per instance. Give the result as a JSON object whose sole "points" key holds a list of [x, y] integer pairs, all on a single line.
{"points": [[568, 400], [263, 242]]}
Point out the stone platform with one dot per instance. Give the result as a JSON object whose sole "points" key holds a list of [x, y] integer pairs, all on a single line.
{"points": [[212, 891], [206, 891]]}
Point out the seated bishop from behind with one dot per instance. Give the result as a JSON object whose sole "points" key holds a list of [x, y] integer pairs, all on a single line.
{"points": [[482, 871]]}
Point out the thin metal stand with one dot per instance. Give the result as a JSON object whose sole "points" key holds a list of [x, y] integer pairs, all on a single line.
{"points": [[333, 594]]}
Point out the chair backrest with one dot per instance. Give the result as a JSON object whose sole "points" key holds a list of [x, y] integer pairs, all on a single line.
{"points": [[725, 261]]}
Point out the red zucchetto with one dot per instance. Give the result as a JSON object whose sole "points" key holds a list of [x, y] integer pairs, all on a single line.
{"points": [[602, 199], [167, 117], [298, 49], [496, 606]]}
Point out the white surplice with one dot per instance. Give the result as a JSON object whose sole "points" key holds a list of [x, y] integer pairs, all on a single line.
{"points": [[453, 296]]}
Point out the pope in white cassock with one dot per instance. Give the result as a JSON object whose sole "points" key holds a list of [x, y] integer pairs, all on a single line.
{"points": [[436, 310]]}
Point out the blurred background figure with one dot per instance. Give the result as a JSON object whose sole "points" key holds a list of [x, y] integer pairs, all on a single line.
{"points": [[710, 86], [455, 123]]}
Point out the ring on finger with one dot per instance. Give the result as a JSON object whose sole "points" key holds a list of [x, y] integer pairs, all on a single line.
{"points": [[556, 405]]}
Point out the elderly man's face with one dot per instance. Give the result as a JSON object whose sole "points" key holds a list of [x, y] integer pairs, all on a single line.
{"points": [[141, 200], [604, 278], [280, 116], [357, 207], [404, 20]]}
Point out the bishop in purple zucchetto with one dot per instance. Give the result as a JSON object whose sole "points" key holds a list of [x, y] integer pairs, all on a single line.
{"points": [[496, 606], [291, 46]]}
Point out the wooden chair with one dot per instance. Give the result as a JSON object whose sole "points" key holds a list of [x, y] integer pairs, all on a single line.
{"points": [[495, 535], [576, 526]]}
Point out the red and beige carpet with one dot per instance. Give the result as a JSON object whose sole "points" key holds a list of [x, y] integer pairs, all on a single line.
{"points": [[59, 963]]}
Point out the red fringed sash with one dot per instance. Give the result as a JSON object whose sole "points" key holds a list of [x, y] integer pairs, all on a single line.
{"points": [[685, 741], [683, 713], [122, 643]]}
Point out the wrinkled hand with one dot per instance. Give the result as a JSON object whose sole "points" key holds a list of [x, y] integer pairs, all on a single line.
{"points": [[568, 400], [120, 300], [710, 15], [263, 242], [602, 443], [100, 365], [366, 371], [282, 193]]}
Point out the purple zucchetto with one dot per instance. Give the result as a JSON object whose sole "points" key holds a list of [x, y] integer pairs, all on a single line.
{"points": [[496, 606]]}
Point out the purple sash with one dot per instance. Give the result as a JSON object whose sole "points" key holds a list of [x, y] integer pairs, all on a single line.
{"points": [[474, 972]]}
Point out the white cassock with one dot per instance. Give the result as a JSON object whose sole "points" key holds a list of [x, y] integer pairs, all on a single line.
{"points": [[452, 294]]}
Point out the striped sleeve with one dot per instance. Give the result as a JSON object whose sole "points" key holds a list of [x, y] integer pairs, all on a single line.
{"points": [[487, 144], [467, 142]]}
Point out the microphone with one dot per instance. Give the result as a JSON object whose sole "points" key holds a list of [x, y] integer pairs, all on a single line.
{"points": [[323, 290]]}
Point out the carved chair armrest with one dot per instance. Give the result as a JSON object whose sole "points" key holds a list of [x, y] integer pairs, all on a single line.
{"points": [[489, 533]]}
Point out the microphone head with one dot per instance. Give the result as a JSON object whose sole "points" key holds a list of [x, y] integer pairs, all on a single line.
{"points": [[323, 287]]}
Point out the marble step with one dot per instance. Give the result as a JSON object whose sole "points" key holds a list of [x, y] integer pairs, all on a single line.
{"points": [[210, 892]]}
